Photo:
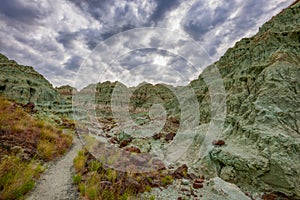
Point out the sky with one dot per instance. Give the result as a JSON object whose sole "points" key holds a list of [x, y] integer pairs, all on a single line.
{"points": [[78, 42]]}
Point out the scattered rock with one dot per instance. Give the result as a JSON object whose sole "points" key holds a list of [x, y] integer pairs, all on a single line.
{"points": [[181, 172], [197, 185], [192, 176], [185, 182], [114, 140], [269, 197], [218, 142], [199, 181], [124, 143], [133, 149], [169, 136], [184, 189], [157, 136]]}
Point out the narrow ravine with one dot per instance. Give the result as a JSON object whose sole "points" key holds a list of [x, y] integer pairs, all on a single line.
{"points": [[56, 182]]}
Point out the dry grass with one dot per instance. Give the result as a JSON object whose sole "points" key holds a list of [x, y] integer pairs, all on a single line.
{"points": [[18, 128], [34, 140], [79, 161], [17, 177]]}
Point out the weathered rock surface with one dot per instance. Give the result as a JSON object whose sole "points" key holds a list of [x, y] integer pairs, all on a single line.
{"points": [[214, 189], [23, 84], [262, 128]]}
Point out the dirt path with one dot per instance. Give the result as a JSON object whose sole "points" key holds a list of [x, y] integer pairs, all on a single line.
{"points": [[56, 182]]}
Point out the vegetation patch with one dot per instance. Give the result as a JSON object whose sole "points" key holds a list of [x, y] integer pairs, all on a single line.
{"points": [[25, 143], [95, 181], [17, 177]]}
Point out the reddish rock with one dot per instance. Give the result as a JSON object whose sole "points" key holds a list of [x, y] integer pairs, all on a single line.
{"points": [[184, 190], [181, 172], [114, 140], [218, 142], [170, 136], [192, 176], [269, 197], [197, 185], [124, 143], [157, 136], [199, 180], [133, 149]]}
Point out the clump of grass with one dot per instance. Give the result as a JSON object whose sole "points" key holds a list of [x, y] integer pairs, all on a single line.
{"points": [[95, 165], [77, 178], [111, 175], [46, 150], [48, 134], [81, 188], [166, 180], [148, 188], [17, 177], [79, 161], [92, 192], [152, 197], [107, 195]]}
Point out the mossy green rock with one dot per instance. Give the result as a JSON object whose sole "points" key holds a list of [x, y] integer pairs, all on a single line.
{"points": [[23, 84], [262, 81]]}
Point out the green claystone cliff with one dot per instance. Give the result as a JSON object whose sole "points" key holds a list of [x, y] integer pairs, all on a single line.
{"points": [[262, 129]]}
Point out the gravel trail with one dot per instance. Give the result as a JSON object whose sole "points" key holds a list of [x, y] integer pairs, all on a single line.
{"points": [[56, 182]]}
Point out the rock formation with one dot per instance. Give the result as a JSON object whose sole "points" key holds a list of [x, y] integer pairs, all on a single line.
{"points": [[261, 75], [23, 84]]}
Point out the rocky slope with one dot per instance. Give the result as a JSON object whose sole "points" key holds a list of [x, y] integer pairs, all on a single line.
{"points": [[23, 84], [262, 130]]}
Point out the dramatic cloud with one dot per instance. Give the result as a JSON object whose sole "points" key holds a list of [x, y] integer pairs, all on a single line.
{"points": [[57, 36]]}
